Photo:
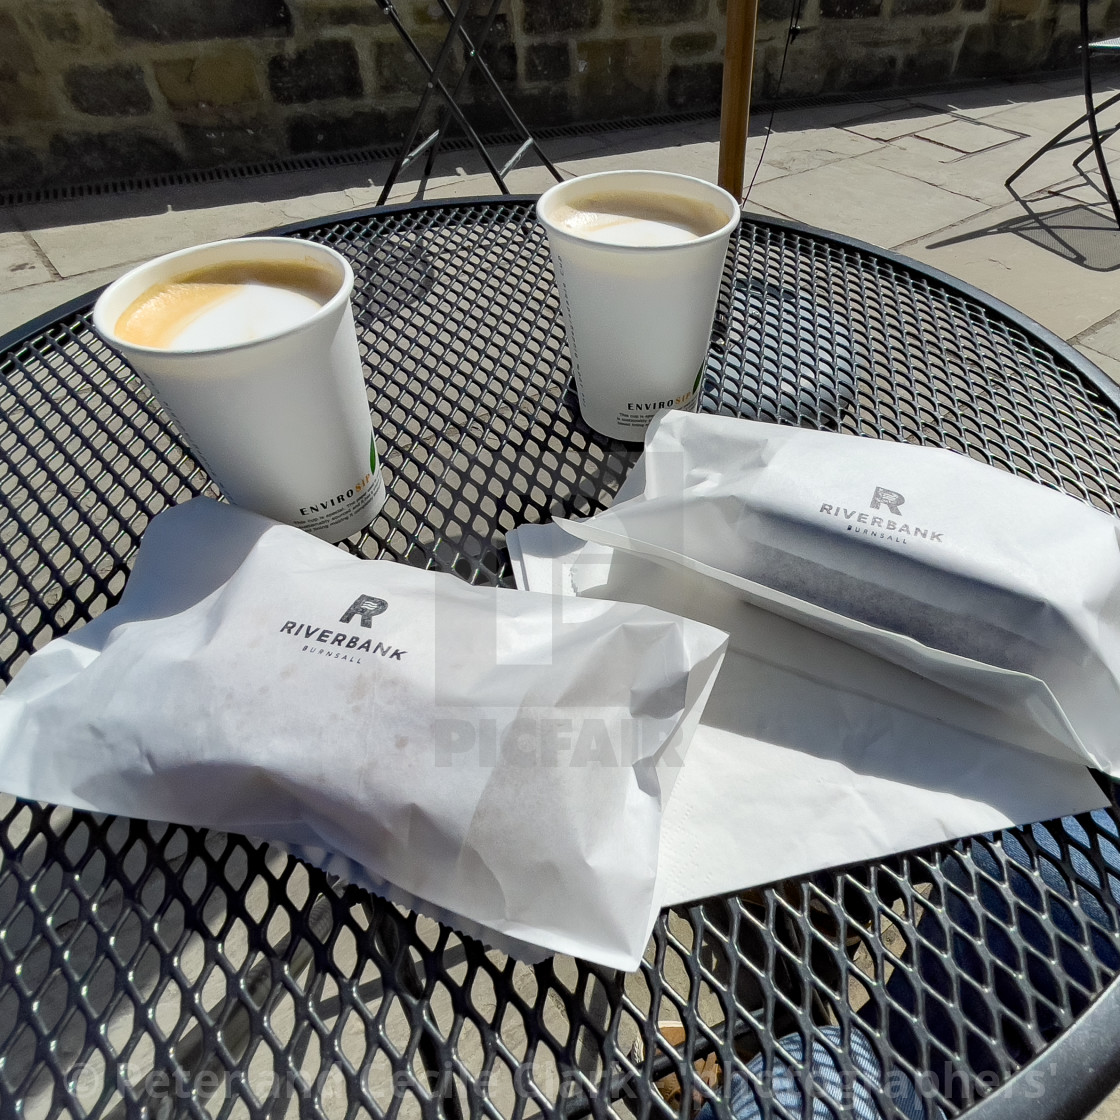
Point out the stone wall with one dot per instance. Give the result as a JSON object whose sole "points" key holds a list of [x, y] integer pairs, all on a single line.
{"points": [[99, 89]]}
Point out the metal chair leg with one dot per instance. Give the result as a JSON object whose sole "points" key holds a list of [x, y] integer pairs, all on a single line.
{"points": [[435, 84], [1106, 135], [474, 58], [1089, 117], [457, 31], [1056, 141], [1091, 112]]}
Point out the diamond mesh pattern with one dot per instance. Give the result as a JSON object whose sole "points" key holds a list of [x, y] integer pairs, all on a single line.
{"points": [[144, 964]]}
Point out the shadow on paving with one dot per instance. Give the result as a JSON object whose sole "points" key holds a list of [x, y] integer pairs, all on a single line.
{"points": [[1079, 233]]}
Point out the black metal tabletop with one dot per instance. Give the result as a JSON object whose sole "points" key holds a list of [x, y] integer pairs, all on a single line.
{"points": [[152, 966]]}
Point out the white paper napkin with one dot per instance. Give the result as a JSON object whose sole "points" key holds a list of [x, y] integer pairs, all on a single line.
{"points": [[812, 752], [499, 759]]}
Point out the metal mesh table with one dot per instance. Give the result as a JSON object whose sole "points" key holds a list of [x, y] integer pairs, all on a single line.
{"points": [[194, 973]]}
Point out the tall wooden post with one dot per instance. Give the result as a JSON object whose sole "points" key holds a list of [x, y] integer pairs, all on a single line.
{"points": [[738, 70]]}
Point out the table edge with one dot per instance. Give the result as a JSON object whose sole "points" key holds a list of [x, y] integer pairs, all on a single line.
{"points": [[1083, 365], [1086, 368], [1070, 1077]]}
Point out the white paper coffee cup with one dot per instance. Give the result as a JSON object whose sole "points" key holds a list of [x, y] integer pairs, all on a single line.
{"points": [[281, 422], [638, 316]]}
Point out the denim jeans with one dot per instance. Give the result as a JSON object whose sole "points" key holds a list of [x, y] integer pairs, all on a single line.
{"points": [[824, 1082]]}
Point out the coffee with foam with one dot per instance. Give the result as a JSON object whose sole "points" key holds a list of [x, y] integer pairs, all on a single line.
{"points": [[227, 304], [638, 257], [637, 218]]}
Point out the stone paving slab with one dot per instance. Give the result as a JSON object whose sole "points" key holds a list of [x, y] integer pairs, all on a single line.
{"points": [[73, 251], [521, 180], [699, 159], [830, 116], [978, 175], [986, 100], [21, 262], [904, 121], [967, 137], [1104, 338], [867, 201], [24, 304], [1044, 117], [1109, 365], [790, 153]]}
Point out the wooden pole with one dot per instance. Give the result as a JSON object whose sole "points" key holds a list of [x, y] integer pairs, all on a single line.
{"points": [[738, 70]]}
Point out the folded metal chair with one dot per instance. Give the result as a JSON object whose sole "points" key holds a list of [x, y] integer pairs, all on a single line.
{"points": [[472, 47], [1069, 134]]}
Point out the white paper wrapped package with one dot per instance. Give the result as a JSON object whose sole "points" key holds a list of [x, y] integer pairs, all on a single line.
{"points": [[498, 756], [994, 586]]}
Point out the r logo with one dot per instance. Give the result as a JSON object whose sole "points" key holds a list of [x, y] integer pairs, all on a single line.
{"points": [[892, 499], [366, 606]]}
